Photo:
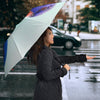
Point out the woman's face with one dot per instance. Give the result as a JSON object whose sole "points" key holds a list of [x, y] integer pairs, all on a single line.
{"points": [[48, 39]]}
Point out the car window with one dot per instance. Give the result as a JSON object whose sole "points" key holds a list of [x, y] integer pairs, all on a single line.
{"points": [[55, 32]]}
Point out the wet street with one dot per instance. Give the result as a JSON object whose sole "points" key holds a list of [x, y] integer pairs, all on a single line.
{"points": [[82, 84]]}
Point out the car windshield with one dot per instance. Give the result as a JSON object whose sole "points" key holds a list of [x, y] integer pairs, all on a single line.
{"points": [[56, 32]]}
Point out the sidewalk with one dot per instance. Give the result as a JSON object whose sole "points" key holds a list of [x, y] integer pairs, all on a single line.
{"points": [[85, 35]]}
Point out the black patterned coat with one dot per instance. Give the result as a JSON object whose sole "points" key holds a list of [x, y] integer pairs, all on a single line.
{"points": [[49, 71]]}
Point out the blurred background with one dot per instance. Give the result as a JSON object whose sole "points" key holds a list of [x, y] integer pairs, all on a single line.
{"points": [[83, 12]]}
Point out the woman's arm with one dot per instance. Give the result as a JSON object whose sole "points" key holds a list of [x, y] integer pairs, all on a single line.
{"points": [[72, 59]]}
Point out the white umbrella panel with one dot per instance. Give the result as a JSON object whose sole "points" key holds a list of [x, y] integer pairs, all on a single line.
{"points": [[27, 32]]}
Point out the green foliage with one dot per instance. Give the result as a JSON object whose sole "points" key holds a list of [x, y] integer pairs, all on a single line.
{"points": [[89, 13], [92, 13], [96, 3]]}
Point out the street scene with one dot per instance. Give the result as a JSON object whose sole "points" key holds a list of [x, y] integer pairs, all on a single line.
{"points": [[85, 77], [74, 27], [84, 82]]}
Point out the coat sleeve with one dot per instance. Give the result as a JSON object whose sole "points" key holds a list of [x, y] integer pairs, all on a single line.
{"points": [[45, 62], [70, 59]]}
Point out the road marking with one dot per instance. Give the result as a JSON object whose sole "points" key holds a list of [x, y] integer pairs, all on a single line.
{"points": [[92, 64], [89, 54], [18, 73], [94, 71], [98, 78], [85, 49]]}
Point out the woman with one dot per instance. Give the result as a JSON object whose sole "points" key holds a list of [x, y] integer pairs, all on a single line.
{"points": [[50, 67]]}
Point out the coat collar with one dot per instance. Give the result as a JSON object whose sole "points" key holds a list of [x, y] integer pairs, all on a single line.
{"points": [[45, 47]]}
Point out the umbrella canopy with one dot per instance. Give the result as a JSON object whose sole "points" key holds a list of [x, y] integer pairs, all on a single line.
{"points": [[27, 32]]}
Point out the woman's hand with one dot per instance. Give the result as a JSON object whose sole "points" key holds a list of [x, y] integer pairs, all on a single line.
{"points": [[88, 57], [66, 67]]}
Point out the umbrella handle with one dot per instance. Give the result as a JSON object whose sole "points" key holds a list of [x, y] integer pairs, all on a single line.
{"points": [[69, 75]]}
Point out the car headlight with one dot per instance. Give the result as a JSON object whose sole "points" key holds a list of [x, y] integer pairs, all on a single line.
{"points": [[77, 38], [8, 34]]}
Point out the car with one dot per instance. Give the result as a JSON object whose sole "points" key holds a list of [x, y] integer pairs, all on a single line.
{"points": [[67, 41], [5, 33]]}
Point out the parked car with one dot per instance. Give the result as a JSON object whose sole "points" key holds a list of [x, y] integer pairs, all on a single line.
{"points": [[5, 33], [68, 42]]}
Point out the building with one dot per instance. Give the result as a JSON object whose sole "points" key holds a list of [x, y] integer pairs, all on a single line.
{"points": [[71, 9]]}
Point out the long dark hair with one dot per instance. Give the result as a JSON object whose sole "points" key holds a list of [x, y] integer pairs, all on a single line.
{"points": [[36, 49]]}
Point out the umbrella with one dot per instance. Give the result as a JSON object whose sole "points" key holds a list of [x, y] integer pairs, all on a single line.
{"points": [[27, 33]]}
